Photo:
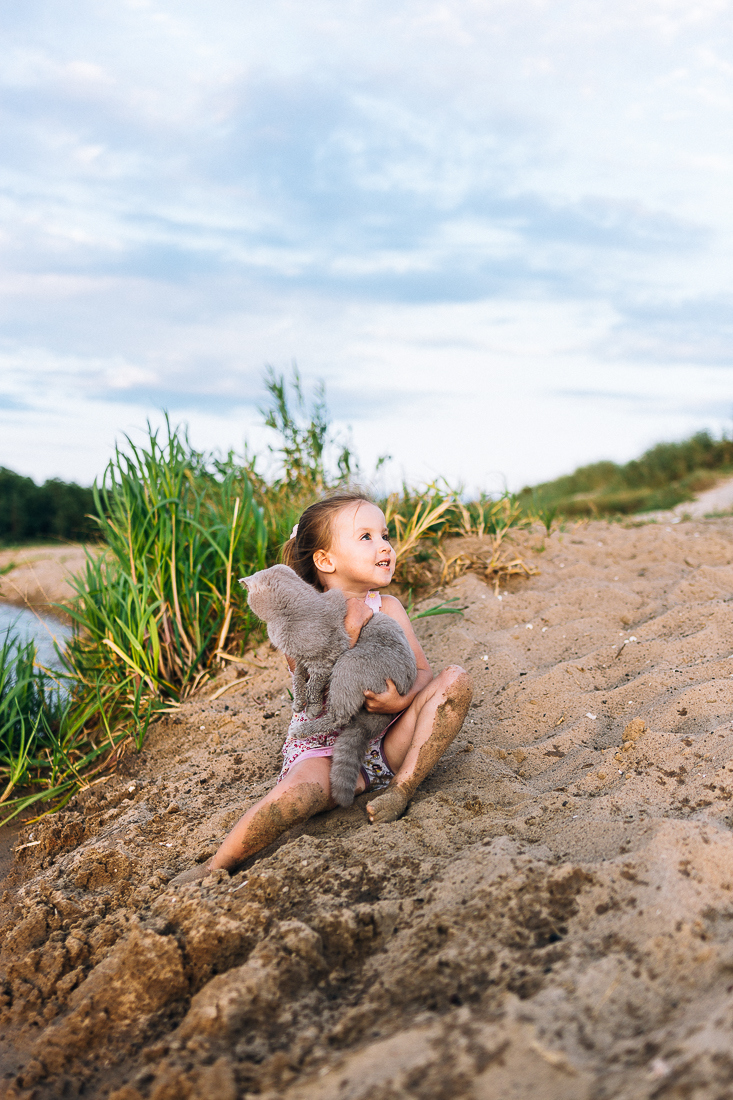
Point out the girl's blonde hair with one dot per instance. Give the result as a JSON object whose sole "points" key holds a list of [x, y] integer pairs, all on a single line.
{"points": [[315, 533]]}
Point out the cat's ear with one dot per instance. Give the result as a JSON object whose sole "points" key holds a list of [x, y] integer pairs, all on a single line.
{"points": [[243, 581], [335, 595]]}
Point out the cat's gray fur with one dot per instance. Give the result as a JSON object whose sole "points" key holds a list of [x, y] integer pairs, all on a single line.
{"points": [[309, 627]]}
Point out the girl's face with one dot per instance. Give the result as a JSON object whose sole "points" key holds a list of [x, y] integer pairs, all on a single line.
{"points": [[360, 554]]}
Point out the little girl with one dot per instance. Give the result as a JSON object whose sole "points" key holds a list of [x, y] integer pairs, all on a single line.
{"points": [[342, 542]]}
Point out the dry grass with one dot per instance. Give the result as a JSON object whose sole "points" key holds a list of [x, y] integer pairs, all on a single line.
{"points": [[493, 564], [426, 532]]}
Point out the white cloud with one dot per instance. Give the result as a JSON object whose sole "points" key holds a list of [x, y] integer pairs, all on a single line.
{"points": [[457, 213]]}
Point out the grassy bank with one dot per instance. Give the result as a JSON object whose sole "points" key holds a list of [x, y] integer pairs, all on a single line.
{"points": [[158, 611], [666, 475], [157, 608]]}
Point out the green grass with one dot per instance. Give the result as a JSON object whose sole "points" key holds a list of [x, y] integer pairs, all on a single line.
{"points": [[153, 610], [159, 603], [666, 475], [44, 746]]}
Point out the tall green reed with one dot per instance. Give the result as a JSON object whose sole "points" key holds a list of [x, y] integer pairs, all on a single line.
{"points": [[155, 608], [42, 744], [307, 457], [26, 706]]}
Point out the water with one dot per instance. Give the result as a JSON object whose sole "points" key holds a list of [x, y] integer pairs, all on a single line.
{"points": [[42, 629]]}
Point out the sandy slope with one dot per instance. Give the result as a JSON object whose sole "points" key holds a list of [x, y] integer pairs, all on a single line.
{"points": [[39, 575], [552, 918]]}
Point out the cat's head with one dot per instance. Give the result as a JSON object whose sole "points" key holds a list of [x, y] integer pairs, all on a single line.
{"points": [[268, 589]]}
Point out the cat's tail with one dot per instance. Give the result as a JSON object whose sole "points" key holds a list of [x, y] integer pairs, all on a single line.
{"points": [[348, 753]]}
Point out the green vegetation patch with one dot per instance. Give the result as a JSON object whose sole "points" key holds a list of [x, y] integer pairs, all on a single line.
{"points": [[664, 476]]}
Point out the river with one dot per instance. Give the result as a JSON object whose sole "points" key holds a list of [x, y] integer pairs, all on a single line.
{"points": [[42, 629]]}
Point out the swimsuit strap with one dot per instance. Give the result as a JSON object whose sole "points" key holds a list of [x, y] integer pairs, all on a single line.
{"points": [[373, 600]]}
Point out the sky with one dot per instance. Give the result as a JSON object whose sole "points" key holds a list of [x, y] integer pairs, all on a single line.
{"points": [[499, 231]]}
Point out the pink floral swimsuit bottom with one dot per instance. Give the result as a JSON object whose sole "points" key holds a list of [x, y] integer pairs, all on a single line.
{"points": [[374, 768]]}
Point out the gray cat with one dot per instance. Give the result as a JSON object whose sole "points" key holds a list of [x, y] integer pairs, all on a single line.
{"points": [[309, 627]]}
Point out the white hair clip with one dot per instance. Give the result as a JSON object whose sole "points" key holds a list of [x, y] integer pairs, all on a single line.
{"points": [[294, 531]]}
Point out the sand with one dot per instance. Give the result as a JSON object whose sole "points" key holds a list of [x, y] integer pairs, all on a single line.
{"points": [[716, 500], [38, 576], [552, 918]]}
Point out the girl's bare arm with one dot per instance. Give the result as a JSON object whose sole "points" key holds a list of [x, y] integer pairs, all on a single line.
{"points": [[357, 615]]}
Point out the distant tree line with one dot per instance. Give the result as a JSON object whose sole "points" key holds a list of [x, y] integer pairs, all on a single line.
{"points": [[55, 510]]}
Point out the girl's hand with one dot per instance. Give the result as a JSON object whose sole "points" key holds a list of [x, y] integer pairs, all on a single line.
{"points": [[390, 701], [387, 702], [357, 615]]}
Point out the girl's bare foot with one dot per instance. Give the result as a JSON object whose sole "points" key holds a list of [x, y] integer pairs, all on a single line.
{"points": [[193, 874], [433, 734], [387, 806]]}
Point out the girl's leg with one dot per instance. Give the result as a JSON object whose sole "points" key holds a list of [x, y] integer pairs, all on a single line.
{"points": [[418, 739], [305, 790]]}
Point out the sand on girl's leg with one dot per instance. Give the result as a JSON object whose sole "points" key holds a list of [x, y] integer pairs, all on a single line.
{"points": [[269, 819], [434, 730], [304, 792]]}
